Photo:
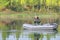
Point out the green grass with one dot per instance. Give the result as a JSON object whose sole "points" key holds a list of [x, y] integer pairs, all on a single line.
{"points": [[26, 15]]}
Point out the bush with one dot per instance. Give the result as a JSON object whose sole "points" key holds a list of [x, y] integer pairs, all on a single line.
{"points": [[3, 4], [15, 6]]}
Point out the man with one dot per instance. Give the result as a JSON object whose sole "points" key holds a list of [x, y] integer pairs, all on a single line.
{"points": [[36, 20]]}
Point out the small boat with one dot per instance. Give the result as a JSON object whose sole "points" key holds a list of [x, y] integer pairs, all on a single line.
{"points": [[44, 26]]}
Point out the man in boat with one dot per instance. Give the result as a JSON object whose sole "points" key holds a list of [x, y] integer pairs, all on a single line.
{"points": [[36, 20]]}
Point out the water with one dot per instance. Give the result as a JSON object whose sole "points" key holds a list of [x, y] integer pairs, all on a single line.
{"points": [[30, 35], [16, 32]]}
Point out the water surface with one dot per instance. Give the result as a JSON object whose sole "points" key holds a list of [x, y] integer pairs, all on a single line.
{"points": [[30, 35]]}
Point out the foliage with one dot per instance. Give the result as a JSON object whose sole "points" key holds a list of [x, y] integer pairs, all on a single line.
{"points": [[18, 5], [15, 5], [3, 4]]}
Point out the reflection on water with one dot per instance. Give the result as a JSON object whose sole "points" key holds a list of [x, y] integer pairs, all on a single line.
{"points": [[30, 35]]}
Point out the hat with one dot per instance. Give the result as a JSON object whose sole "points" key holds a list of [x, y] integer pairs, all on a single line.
{"points": [[35, 16]]}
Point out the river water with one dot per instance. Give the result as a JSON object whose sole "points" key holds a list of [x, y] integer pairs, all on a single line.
{"points": [[30, 35]]}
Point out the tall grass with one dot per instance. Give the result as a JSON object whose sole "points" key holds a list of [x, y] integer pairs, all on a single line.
{"points": [[29, 16]]}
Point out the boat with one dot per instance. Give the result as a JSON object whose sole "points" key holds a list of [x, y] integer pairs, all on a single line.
{"points": [[37, 27]]}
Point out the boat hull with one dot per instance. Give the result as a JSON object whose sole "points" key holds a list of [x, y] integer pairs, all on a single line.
{"points": [[37, 27]]}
